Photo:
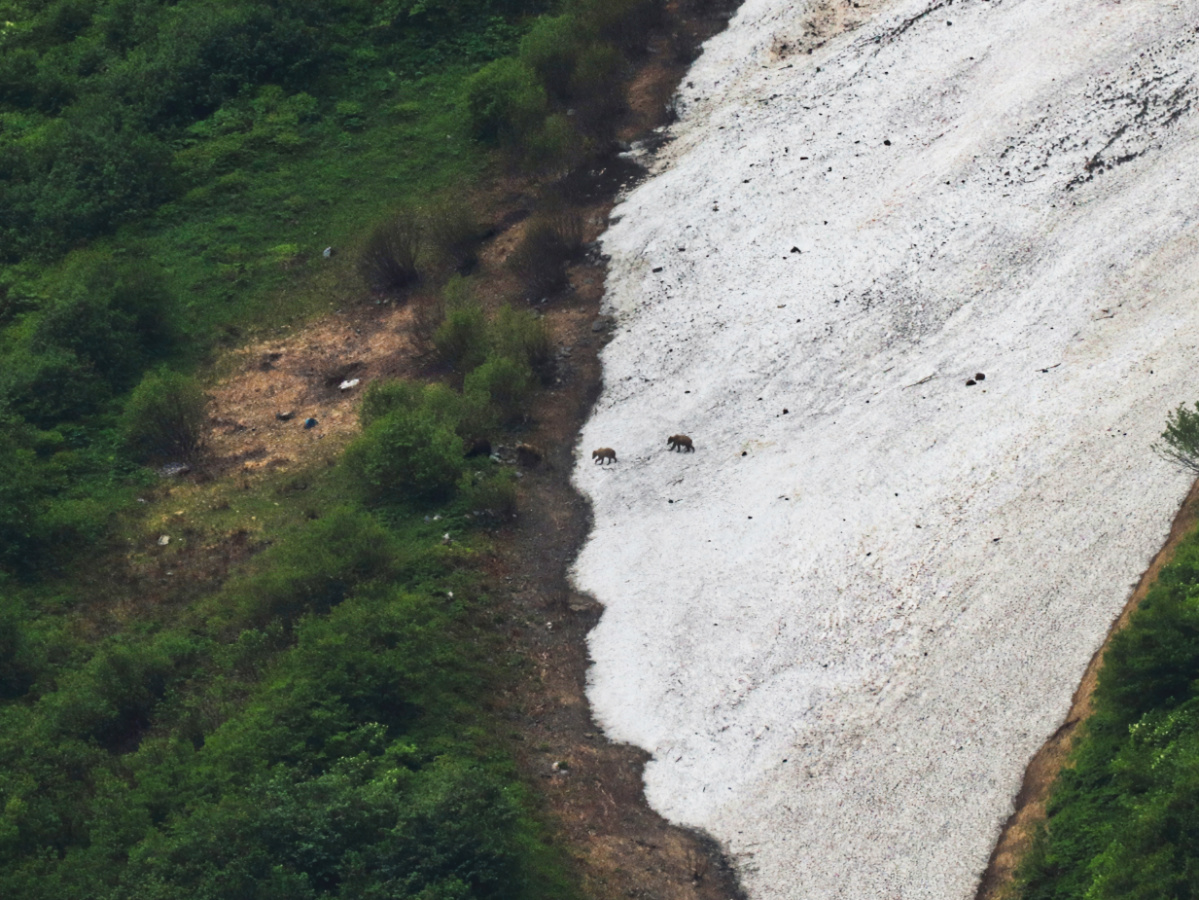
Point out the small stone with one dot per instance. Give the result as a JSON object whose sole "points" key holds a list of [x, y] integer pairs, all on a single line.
{"points": [[286, 416], [328, 253], [598, 325], [970, 382], [980, 377], [164, 540]]}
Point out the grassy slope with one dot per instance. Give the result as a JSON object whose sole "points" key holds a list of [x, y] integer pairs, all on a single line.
{"points": [[316, 726]]}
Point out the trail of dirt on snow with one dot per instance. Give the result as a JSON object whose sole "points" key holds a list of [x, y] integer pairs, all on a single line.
{"points": [[845, 623]]}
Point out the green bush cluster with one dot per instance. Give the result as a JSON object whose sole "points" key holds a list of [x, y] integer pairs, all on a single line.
{"points": [[105, 322], [1121, 820], [338, 756], [109, 108], [415, 437], [565, 85], [406, 456], [467, 337]]}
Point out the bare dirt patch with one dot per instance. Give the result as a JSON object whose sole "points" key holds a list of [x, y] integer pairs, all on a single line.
{"points": [[258, 413], [825, 20]]}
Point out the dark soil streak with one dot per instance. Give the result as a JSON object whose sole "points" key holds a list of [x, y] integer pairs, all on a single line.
{"points": [[593, 789]]}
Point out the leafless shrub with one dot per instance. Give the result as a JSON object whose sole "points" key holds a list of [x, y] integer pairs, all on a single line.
{"points": [[453, 231], [428, 312], [389, 259], [539, 260]]}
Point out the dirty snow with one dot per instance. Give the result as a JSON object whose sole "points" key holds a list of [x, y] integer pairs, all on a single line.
{"points": [[844, 624]]}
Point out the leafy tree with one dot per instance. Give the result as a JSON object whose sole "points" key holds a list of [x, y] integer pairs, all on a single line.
{"points": [[1180, 441], [165, 417]]}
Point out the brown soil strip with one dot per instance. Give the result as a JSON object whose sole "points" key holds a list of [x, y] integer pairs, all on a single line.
{"points": [[592, 788], [1016, 837]]}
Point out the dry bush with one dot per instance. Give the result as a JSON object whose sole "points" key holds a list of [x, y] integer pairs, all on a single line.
{"points": [[553, 238], [567, 224], [453, 233], [539, 260], [389, 259], [428, 312]]}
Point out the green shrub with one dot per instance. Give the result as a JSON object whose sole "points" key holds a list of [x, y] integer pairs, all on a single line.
{"points": [[597, 84], [467, 416], [79, 178], [165, 417], [550, 49], [470, 415], [405, 456], [523, 336], [51, 387], [464, 337], [388, 262], [110, 315], [381, 398], [556, 147], [111, 698], [314, 568], [494, 495], [506, 381], [504, 102]]}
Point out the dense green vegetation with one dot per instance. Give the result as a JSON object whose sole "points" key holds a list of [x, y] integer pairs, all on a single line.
{"points": [[1123, 820], [315, 727], [171, 171], [315, 724]]}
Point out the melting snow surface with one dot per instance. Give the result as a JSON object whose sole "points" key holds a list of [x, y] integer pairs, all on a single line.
{"points": [[844, 624]]}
